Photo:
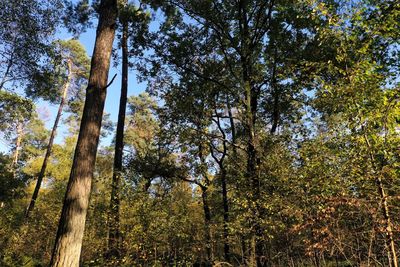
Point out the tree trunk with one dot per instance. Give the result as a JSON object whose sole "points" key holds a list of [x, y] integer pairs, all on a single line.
{"points": [[392, 256], [223, 175], [69, 237], [275, 108], [17, 146], [114, 235], [389, 226], [251, 95], [50, 145], [226, 214], [207, 225], [232, 124]]}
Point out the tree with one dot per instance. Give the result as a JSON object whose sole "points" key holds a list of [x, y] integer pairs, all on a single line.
{"points": [[135, 18], [363, 77], [72, 222], [75, 63], [114, 239], [27, 29], [160, 205], [10, 186], [15, 111], [251, 53], [268, 136]]}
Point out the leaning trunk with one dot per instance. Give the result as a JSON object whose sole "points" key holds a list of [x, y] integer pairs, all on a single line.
{"points": [[50, 144], [69, 237], [114, 236]]}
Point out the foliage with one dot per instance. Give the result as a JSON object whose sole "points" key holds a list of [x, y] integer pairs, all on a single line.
{"points": [[268, 127], [27, 28]]}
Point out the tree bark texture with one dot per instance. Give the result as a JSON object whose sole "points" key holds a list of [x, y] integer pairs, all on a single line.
{"points": [[71, 227]]}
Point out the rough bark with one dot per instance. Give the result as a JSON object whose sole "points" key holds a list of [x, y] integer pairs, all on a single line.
{"points": [[69, 237], [50, 144], [114, 235]]}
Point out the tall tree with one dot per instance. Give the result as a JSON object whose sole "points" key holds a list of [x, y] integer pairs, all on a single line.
{"points": [[74, 65], [114, 239], [252, 53], [134, 22], [68, 242], [364, 76]]}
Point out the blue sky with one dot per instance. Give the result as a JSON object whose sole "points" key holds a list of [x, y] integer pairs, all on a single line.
{"points": [[47, 111], [113, 92]]}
